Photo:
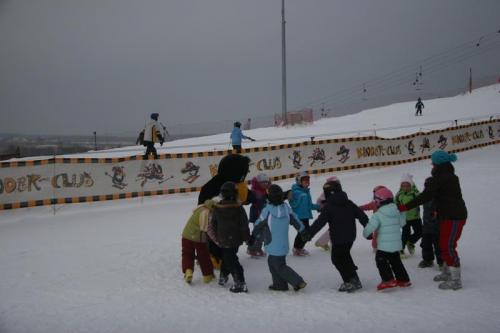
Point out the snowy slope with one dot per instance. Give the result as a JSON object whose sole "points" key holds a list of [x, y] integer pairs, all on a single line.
{"points": [[388, 121], [115, 267]]}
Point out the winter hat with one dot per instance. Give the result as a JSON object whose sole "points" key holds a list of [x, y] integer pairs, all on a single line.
{"points": [[331, 187], [275, 195], [154, 116], [237, 124], [382, 196], [301, 175], [407, 178], [378, 187], [262, 178], [441, 157], [228, 191], [333, 179]]}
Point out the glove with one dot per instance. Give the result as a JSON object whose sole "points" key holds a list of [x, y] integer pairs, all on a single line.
{"points": [[306, 236], [402, 208]]}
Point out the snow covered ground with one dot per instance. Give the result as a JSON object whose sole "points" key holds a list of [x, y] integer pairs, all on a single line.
{"points": [[115, 266]]}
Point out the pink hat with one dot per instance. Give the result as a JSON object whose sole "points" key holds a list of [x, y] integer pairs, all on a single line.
{"points": [[382, 194], [333, 179], [378, 187]]}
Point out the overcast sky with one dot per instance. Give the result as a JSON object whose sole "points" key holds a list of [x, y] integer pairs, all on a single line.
{"points": [[75, 66]]}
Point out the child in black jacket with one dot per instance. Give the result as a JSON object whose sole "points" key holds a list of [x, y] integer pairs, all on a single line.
{"points": [[430, 235], [229, 229], [340, 213]]}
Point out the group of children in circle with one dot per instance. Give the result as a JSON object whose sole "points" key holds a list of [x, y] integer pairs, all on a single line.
{"points": [[392, 228]]}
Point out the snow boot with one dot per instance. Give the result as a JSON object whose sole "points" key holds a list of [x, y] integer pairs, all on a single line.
{"points": [[403, 284], [301, 285], [188, 275], [208, 278], [454, 282], [300, 252], [425, 264], [356, 283], [275, 288], [223, 278], [239, 287], [411, 247], [324, 247], [445, 274], [346, 286], [403, 255], [387, 284]]}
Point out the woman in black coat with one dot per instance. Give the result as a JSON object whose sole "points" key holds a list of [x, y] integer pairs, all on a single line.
{"points": [[444, 190]]}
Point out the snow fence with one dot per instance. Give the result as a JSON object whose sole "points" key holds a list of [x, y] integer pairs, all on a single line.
{"points": [[75, 180]]}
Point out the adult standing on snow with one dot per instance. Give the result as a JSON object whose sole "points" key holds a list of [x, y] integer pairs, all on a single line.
{"points": [[152, 134], [444, 189], [237, 136], [419, 106]]}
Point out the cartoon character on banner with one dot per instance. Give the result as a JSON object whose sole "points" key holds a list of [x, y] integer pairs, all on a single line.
{"points": [[268, 164], [84, 180], [118, 177], [491, 133], [213, 169], [411, 148], [192, 171], [296, 159], [152, 172], [343, 152], [318, 155], [426, 144], [443, 142]]}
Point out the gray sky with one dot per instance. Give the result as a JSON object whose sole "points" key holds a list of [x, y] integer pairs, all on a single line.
{"points": [[75, 66]]}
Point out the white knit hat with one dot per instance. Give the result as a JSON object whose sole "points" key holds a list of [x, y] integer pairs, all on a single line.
{"points": [[407, 178]]}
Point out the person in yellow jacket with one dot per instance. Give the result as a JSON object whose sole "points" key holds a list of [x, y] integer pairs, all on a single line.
{"points": [[195, 242]]}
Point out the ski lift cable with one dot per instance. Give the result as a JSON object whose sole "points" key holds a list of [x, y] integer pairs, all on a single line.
{"points": [[435, 68], [401, 71]]}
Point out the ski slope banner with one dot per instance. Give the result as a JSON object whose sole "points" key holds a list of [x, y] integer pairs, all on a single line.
{"points": [[74, 180]]}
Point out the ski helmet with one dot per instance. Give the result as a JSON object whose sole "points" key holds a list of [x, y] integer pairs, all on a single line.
{"points": [[275, 195], [154, 116], [228, 191], [383, 196], [237, 124], [331, 187], [301, 175]]}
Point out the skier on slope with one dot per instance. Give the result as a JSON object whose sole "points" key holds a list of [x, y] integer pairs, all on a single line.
{"points": [[152, 134], [419, 106], [237, 136]]}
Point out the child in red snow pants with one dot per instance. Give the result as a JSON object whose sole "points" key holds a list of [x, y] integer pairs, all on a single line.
{"points": [[449, 234], [188, 254]]}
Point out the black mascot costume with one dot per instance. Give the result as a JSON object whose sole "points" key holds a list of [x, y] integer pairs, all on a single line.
{"points": [[233, 168]]}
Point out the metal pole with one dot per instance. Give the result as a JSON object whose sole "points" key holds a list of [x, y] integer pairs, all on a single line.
{"points": [[95, 141], [283, 64], [470, 80]]}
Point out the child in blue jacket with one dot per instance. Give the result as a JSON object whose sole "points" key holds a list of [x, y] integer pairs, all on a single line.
{"points": [[301, 202], [388, 221], [272, 229]]}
